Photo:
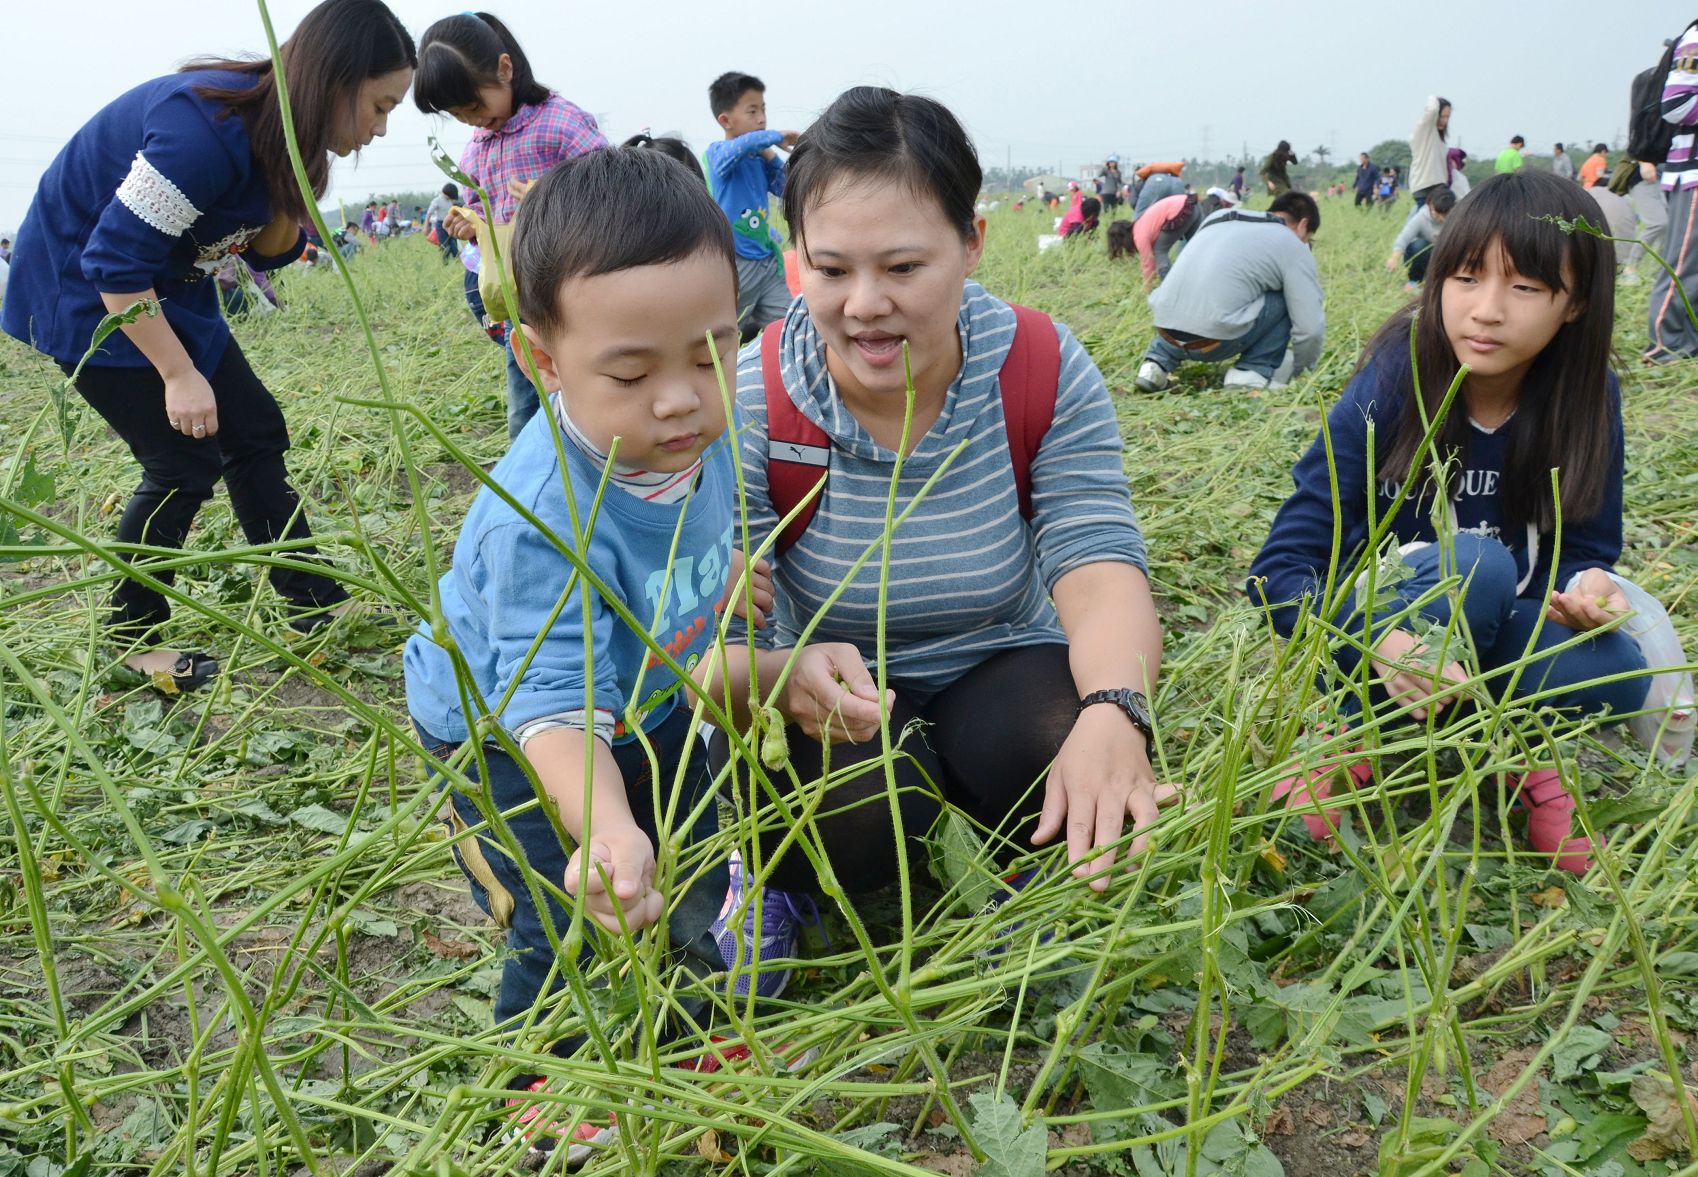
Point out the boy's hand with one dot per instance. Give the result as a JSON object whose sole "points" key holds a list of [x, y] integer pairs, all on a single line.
{"points": [[1597, 600], [518, 188], [831, 697], [788, 143], [619, 857], [760, 589]]}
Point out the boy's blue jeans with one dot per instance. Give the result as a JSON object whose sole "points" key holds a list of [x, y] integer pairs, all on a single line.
{"points": [[1500, 623], [498, 885], [521, 393], [1260, 349]]}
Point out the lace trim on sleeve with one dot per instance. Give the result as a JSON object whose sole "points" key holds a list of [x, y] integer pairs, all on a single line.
{"points": [[155, 200]]}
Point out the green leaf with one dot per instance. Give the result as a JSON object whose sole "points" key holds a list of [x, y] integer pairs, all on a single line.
{"points": [[1011, 1149], [317, 817], [1584, 905], [1633, 808], [145, 1129], [1373, 1107], [477, 1011], [1231, 1151], [961, 862], [185, 832], [371, 924], [1678, 964], [1425, 1139], [1602, 1131], [883, 1139], [258, 810], [1578, 1053], [1115, 1077], [34, 488], [1289, 1012]]}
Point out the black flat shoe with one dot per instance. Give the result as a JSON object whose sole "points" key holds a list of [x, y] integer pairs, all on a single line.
{"points": [[190, 672]]}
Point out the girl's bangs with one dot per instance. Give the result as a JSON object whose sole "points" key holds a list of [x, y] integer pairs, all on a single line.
{"points": [[1502, 217], [445, 80]]}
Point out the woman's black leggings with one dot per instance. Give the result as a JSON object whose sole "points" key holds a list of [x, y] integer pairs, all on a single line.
{"points": [[984, 742], [179, 473]]}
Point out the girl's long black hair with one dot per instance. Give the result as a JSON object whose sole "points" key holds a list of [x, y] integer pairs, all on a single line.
{"points": [[332, 52], [460, 54], [1565, 417]]}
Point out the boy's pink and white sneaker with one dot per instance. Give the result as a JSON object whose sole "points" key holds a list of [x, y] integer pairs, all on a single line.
{"points": [[543, 1129], [1303, 792], [1550, 820]]}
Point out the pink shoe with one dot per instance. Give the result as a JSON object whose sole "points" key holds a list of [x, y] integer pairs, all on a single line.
{"points": [[1302, 792], [544, 1130], [1550, 820]]}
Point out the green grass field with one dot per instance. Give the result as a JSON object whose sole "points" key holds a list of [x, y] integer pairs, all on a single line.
{"points": [[233, 939]]}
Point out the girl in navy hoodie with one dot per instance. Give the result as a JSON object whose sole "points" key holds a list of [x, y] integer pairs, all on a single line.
{"points": [[1529, 310]]}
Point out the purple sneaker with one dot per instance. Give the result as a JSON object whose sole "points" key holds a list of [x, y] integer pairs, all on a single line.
{"points": [[781, 916]]}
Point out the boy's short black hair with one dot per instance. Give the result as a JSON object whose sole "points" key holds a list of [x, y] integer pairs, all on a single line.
{"points": [[1441, 202], [1559, 147], [728, 87], [451, 190], [1603, 148], [1299, 206], [1517, 141], [607, 211], [1090, 206]]}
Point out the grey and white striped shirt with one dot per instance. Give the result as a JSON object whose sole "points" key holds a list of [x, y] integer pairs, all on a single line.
{"points": [[969, 576]]}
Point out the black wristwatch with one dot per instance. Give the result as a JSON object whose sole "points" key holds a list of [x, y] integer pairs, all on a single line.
{"points": [[1133, 703]]}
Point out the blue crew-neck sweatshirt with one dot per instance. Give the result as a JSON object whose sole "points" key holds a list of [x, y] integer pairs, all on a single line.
{"points": [[507, 577], [969, 576], [741, 178], [1290, 571], [154, 191]]}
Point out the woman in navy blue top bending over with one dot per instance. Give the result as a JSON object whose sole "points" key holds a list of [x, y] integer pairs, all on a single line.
{"points": [[144, 203]]}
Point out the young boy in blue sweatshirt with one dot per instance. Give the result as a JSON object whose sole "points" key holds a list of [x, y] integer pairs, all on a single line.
{"points": [[628, 306], [742, 170]]}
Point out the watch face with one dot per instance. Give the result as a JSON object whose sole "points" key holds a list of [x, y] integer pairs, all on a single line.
{"points": [[1136, 704]]}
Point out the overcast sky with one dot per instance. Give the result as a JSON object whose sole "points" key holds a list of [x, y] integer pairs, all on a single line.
{"points": [[1053, 83]]}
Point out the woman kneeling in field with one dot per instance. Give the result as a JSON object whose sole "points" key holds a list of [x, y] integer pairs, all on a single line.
{"points": [[1017, 621], [1529, 309]]}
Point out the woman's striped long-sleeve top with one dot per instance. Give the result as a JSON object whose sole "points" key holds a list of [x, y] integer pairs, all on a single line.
{"points": [[969, 577], [1680, 107]]}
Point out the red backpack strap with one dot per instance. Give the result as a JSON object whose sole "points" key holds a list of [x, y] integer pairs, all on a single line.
{"points": [[1029, 378], [797, 451]]}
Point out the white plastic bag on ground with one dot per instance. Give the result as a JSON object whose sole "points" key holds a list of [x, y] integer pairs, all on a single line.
{"points": [[1048, 241], [1670, 717]]}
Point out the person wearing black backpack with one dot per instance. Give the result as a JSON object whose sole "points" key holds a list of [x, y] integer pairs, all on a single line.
{"points": [[1671, 142]]}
